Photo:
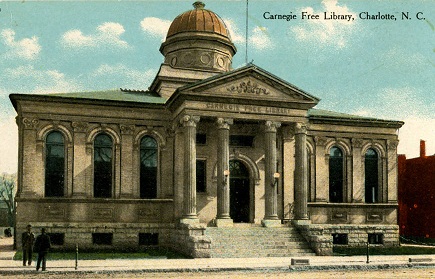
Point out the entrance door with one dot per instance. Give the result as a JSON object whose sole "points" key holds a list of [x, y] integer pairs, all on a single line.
{"points": [[239, 192]]}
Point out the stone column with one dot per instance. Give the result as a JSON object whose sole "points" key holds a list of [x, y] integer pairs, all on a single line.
{"points": [[358, 192], [301, 174], [392, 191], [223, 181], [79, 163], [189, 195], [127, 153], [271, 206]]}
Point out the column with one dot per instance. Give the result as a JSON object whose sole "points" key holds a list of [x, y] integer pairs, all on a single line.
{"points": [[301, 185], [358, 191], [127, 154], [31, 162], [271, 209], [322, 166], [189, 194], [391, 182], [223, 180], [79, 160]]}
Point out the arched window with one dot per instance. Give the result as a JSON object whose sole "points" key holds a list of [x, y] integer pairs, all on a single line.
{"points": [[336, 175], [148, 168], [371, 176], [103, 154], [54, 165]]}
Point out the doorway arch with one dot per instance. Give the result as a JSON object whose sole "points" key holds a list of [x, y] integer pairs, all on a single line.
{"points": [[240, 192]]}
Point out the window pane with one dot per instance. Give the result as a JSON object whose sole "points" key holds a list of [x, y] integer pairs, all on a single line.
{"points": [[54, 165], [336, 175], [371, 176], [148, 167], [103, 166]]}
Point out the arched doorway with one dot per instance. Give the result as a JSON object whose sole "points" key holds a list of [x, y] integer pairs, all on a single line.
{"points": [[240, 197]]}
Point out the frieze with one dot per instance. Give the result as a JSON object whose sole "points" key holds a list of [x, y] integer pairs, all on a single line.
{"points": [[248, 87], [247, 108]]}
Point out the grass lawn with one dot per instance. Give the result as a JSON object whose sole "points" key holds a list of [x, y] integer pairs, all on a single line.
{"points": [[400, 250], [92, 255]]}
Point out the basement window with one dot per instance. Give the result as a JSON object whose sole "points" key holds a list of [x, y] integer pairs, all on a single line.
{"points": [[148, 239], [340, 238], [57, 238], [102, 238], [376, 238]]}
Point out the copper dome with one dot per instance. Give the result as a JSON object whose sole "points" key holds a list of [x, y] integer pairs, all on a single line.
{"points": [[198, 20]]}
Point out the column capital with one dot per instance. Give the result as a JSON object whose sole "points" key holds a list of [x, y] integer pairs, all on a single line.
{"points": [[357, 143], [272, 126], [224, 123], [300, 128], [320, 141], [392, 144], [30, 123], [189, 120]]}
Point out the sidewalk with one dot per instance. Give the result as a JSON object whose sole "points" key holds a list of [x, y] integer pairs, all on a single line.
{"points": [[7, 265]]}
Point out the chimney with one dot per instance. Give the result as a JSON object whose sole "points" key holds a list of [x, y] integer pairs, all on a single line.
{"points": [[422, 149]]}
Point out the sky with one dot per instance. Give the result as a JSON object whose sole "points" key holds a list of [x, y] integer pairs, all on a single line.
{"points": [[376, 68]]}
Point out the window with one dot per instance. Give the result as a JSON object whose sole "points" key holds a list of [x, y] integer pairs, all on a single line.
{"points": [[375, 238], [336, 175], [103, 155], [57, 238], [102, 238], [201, 182], [240, 140], [54, 165], [201, 139], [148, 168], [340, 238], [149, 239], [371, 176]]}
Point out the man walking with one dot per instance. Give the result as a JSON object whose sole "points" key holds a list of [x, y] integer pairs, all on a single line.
{"points": [[27, 240], [42, 245]]}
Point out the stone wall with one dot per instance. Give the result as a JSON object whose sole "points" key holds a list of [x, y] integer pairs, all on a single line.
{"points": [[190, 240]]}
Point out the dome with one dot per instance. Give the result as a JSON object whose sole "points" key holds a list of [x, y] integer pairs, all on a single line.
{"points": [[198, 20], [198, 40]]}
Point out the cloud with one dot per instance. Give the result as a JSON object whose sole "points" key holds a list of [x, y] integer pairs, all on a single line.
{"points": [[414, 130], [27, 48], [260, 39], [108, 35], [236, 36], [132, 79], [326, 33], [8, 145], [36, 81], [155, 27]]}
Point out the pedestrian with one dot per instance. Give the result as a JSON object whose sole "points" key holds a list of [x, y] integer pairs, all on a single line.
{"points": [[42, 245], [8, 232], [27, 241]]}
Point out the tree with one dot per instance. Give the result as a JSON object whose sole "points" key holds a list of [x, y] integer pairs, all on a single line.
{"points": [[7, 194]]}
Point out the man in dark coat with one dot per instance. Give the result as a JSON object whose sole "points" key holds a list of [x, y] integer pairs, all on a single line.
{"points": [[42, 245], [27, 240]]}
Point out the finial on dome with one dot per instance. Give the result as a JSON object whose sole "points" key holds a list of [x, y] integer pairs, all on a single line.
{"points": [[199, 5]]}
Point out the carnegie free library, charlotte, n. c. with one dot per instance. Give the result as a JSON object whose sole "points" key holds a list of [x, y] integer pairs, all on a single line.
{"points": [[210, 161]]}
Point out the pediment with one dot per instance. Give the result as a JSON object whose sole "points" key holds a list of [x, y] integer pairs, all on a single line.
{"points": [[249, 83]]}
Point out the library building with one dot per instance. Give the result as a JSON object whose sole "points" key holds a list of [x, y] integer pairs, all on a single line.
{"points": [[209, 161]]}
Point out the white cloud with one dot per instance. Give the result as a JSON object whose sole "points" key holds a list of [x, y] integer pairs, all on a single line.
{"points": [[414, 130], [27, 48], [236, 36], [131, 79], [155, 27], [326, 33], [36, 81], [107, 34], [260, 38], [8, 145]]}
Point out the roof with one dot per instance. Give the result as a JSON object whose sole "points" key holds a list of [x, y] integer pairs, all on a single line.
{"points": [[326, 115], [119, 95]]}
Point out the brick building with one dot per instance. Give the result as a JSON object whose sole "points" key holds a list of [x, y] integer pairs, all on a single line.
{"points": [[209, 161], [417, 195]]}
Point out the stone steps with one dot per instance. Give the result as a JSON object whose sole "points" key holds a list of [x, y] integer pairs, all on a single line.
{"points": [[256, 241]]}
